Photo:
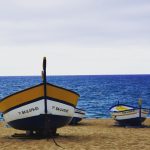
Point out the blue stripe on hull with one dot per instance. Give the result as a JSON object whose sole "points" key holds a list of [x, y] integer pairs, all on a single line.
{"points": [[132, 122], [41, 122]]}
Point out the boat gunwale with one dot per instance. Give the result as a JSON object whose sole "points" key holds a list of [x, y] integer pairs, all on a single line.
{"points": [[133, 108], [22, 104], [38, 99], [64, 89], [129, 114], [146, 109], [35, 87], [80, 111]]}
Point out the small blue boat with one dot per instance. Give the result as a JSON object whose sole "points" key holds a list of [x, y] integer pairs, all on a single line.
{"points": [[128, 115]]}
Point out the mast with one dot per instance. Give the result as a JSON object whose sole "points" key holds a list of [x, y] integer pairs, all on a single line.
{"points": [[44, 82], [140, 106]]}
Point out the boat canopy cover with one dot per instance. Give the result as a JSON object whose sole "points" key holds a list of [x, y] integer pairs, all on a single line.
{"points": [[121, 108]]}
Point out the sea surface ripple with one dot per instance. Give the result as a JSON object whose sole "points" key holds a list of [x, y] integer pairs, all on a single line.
{"points": [[97, 93]]}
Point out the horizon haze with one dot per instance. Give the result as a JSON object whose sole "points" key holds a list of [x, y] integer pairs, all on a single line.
{"points": [[87, 37]]}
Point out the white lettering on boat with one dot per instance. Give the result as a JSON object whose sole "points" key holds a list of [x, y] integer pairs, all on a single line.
{"points": [[28, 110]]}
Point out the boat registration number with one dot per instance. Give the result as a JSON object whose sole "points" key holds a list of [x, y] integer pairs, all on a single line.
{"points": [[60, 109], [28, 110]]}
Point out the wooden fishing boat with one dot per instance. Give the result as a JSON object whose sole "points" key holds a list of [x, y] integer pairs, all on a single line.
{"points": [[128, 115], [42, 108], [79, 114]]}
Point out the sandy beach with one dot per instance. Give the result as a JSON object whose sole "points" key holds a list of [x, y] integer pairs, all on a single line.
{"points": [[90, 134]]}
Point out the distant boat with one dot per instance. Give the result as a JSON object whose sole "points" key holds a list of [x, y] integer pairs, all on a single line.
{"points": [[79, 114], [1, 117], [42, 108], [128, 115]]}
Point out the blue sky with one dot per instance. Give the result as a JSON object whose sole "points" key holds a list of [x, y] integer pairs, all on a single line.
{"points": [[77, 37]]}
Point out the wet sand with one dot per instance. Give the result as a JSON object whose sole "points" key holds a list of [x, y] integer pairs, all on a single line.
{"points": [[94, 134]]}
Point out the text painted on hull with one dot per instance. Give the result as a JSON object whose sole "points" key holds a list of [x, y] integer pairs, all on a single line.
{"points": [[60, 109], [28, 110]]}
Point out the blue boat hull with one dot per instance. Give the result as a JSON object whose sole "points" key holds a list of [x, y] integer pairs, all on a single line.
{"points": [[42, 122], [131, 122]]}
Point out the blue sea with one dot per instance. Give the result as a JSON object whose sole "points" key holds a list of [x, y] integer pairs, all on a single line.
{"points": [[97, 92]]}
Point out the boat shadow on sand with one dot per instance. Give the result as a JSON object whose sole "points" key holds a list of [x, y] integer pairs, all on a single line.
{"points": [[130, 126], [59, 136], [80, 124], [58, 140]]}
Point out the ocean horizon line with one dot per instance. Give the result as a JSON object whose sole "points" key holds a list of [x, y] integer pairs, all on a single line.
{"points": [[97, 92], [76, 75]]}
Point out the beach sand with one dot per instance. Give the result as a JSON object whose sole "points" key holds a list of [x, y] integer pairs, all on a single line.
{"points": [[90, 134]]}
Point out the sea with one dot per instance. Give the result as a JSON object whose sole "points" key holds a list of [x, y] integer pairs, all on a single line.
{"points": [[97, 92]]}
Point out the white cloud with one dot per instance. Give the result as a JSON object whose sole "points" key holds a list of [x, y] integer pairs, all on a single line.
{"points": [[84, 36]]}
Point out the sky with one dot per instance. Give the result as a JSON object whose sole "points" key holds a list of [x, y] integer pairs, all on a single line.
{"points": [[81, 37]]}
